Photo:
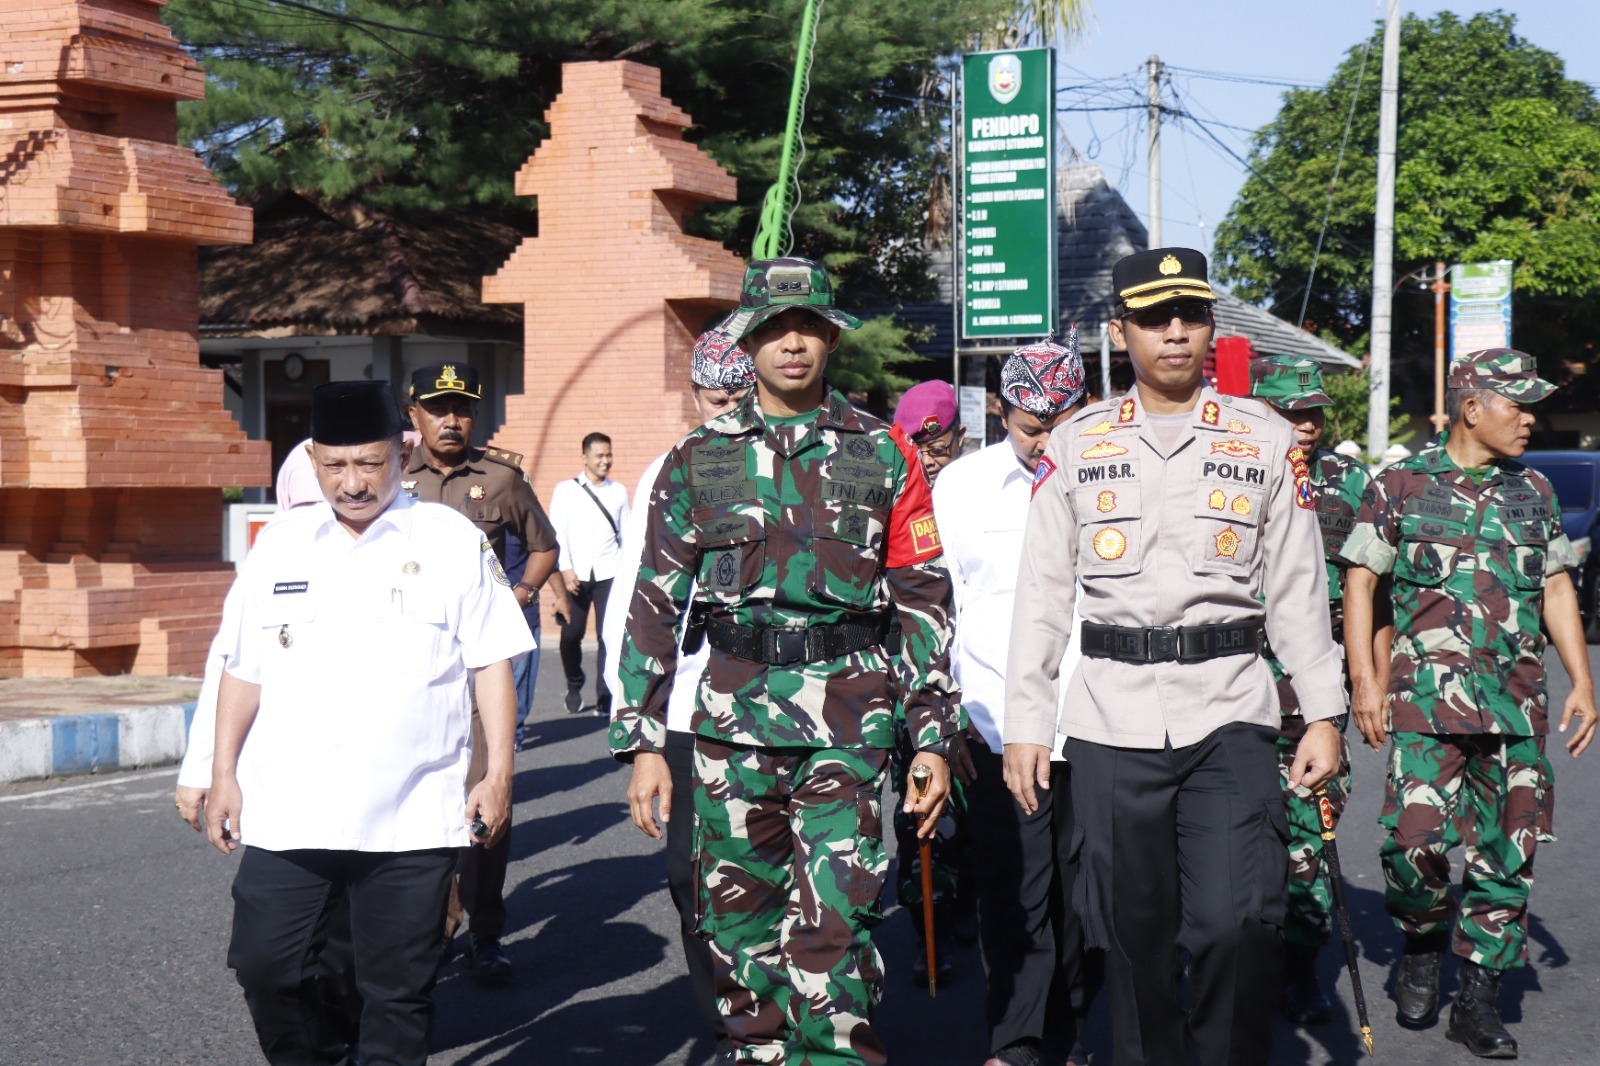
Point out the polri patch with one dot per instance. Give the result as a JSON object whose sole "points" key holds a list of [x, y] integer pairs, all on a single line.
{"points": [[284, 587]]}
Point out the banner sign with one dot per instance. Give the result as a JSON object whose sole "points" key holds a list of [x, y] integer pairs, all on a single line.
{"points": [[1008, 222], [1480, 306]]}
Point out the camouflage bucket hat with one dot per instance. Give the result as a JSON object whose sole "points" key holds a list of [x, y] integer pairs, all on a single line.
{"points": [[1503, 371], [1288, 382], [772, 286]]}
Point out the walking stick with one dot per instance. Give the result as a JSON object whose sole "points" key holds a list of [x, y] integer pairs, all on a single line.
{"points": [[1330, 852], [922, 777]]}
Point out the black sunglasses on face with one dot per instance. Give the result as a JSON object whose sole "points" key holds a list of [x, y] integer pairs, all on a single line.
{"points": [[1189, 312]]}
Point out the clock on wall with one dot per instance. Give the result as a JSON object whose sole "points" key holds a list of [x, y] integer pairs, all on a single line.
{"points": [[294, 366]]}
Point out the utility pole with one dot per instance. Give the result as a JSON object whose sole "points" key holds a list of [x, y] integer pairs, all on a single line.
{"points": [[1154, 94], [1383, 239], [1440, 287]]}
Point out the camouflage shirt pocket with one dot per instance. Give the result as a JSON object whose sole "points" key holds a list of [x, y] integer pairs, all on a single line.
{"points": [[732, 554], [1425, 562], [845, 546], [1526, 563]]}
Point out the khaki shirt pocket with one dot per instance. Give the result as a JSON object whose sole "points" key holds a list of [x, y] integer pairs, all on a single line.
{"points": [[733, 551], [1227, 526], [1109, 528], [483, 514]]}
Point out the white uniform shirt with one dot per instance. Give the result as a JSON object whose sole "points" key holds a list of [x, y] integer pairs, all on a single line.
{"points": [[981, 504], [363, 650], [686, 677], [589, 546]]}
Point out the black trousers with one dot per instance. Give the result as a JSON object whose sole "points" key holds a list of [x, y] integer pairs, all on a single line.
{"points": [[1185, 848], [681, 863], [482, 887], [1032, 938], [590, 593], [281, 903]]}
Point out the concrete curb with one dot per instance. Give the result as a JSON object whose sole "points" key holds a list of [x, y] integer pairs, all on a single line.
{"points": [[122, 739]]}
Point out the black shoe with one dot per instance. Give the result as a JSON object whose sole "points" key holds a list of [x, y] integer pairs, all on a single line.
{"points": [[574, 701], [1416, 988], [487, 960], [1021, 1053], [1475, 1015], [1304, 1002]]}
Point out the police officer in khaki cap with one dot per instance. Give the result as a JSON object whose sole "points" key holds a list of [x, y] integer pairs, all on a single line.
{"points": [[486, 485], [1175, 508]]}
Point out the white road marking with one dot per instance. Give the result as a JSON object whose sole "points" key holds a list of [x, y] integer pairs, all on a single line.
{"points": [[101, 783]]}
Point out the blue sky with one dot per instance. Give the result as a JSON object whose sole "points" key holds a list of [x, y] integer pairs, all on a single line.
{"points": [[1299, 41]]}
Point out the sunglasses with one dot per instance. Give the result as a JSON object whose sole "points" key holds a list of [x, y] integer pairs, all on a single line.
{"points": [[1189, 312]]}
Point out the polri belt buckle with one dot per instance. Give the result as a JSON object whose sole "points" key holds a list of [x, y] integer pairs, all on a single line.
{"points": [[1163, 644]]}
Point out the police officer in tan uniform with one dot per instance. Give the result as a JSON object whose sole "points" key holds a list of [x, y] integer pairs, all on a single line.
{"points": [[1177, 509], [486, 485]]}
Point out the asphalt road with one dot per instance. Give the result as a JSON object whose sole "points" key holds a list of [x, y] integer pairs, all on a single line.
{"points": [[115, 922]]}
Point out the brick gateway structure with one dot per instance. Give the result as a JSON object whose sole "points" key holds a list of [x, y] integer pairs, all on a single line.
{"points": [[615, 291], [114, 443]]}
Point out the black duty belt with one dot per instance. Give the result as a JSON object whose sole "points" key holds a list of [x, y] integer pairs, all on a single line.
{"points": [[1167, 644], [777, 646]]}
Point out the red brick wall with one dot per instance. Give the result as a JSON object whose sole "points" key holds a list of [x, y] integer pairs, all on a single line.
{"points": [[114, 442]]}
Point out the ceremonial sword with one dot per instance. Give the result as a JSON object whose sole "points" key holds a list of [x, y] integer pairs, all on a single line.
{"points": [[1330, 854]]}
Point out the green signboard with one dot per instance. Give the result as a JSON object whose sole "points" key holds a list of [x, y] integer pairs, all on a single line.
{"points": [[1480, 306], [1008, 218]]}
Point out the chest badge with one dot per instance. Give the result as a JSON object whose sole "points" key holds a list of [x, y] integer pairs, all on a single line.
{"points": [[1236, 426], [1227, 543], [1217, 500], [1210, 412], [1104, 450], [1236, 449], [1110, 543], [1099, 429], [410, 568], [1105, 501], [285, 638], [476, 493], [1241, 505], [859, 447], [409, 486]]}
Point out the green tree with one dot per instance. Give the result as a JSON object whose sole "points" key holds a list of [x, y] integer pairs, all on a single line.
{"points": [[1347, 418], [1498, 157]]}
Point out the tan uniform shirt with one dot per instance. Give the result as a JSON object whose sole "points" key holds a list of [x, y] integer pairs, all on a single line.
{"points": [[491, 490], [1197, 533]]}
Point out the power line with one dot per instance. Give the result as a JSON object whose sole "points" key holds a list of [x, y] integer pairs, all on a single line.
{"points": [[1327, 211], [1247, 79]]}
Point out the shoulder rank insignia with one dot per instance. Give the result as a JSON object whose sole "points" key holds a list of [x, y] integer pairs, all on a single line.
{"points": [[1236, 449], [1110, 543], [1104, 450], [1099, 429], [500, 455], [1236, 426], [1125, 411], [1210, 412]]}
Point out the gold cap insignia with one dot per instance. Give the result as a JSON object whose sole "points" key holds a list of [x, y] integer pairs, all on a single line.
{"points": [[1170, 266], [447, 379]]}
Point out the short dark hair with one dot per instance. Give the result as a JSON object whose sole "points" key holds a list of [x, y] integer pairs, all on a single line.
{"points": [[1456, 399], [595, 438]]}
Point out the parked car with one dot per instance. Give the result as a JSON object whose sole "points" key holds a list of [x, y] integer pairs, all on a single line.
{"points": [[1576, 479]]}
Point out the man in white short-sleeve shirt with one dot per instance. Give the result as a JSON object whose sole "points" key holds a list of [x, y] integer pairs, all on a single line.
{"points": [[342, 738]]}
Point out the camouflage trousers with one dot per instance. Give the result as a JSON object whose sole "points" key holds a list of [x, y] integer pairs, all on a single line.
{"points": [[1489, 792], [791, 866], [1310, 900]]}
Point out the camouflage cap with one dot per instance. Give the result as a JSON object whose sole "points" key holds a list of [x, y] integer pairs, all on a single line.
{"points": [[1288, 382], [719, 363], [772, 286], [1503, 371]]}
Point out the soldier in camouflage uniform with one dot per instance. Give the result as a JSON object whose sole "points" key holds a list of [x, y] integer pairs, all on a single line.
{"points": [[1293, 388], [798, 521], [1473, 540]]}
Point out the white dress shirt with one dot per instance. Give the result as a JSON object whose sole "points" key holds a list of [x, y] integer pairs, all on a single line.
{"points": [[686, 677], [589, 546], [981, 505], [363, 650]]}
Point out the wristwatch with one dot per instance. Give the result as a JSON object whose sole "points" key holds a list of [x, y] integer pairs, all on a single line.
{"points": [[940, 747]]}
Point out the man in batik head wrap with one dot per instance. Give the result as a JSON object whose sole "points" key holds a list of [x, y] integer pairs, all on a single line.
{"points": [[1032, 939]]}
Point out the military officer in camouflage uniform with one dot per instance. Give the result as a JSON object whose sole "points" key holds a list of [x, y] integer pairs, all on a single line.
{"points": [[486, 485], [1473, 540], [799, 521], [1293, 388]]}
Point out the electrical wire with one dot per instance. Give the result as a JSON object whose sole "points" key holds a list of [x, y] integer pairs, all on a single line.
{"points": [[1327, 211]]}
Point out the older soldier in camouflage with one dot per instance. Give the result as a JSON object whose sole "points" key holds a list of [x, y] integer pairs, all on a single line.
{"points": [[1473, 540], [797, 520], [1293, 388]]}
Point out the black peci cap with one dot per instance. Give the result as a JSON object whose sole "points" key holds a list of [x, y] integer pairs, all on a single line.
{"points": [[354, 412]]}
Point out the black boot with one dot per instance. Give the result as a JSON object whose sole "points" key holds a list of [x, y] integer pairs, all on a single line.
{"points": [[1416, 988], [1304, 1002], [1475, 1015]]}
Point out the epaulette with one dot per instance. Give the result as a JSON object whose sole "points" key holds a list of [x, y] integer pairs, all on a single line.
{"points": [[505, 458], [1247, 404], [1096, 408]]}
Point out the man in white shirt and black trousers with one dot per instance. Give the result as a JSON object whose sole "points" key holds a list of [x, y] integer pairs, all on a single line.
{"points": [[589, 512], [343, 741], [1033, 950]]}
